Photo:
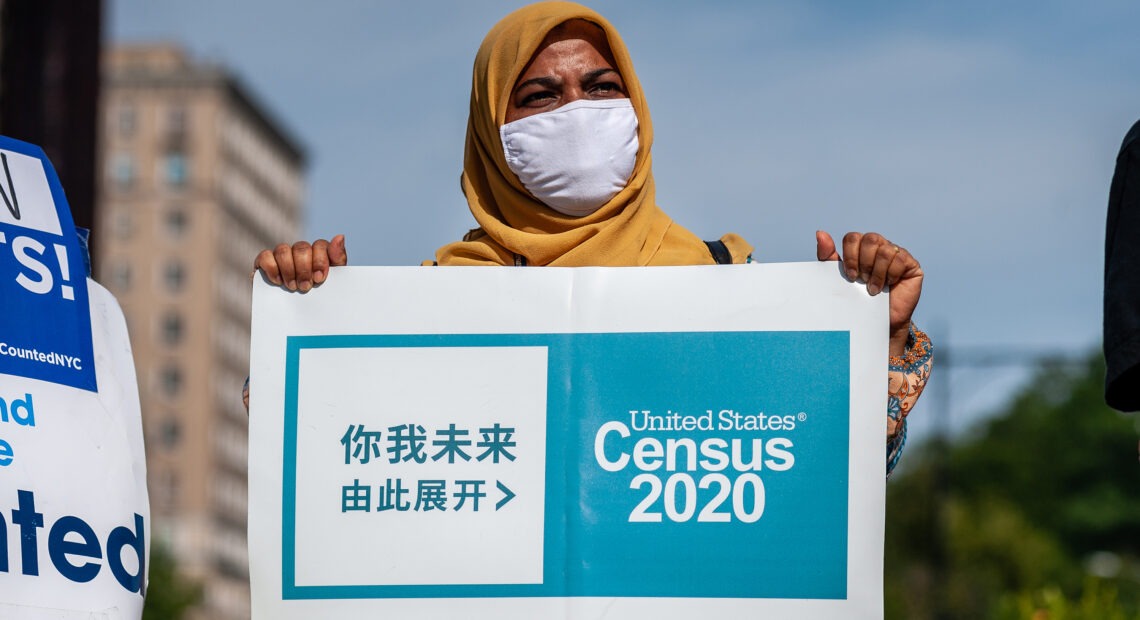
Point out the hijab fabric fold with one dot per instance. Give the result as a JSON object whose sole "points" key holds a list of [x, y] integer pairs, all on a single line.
{"points": [[629, 230]]}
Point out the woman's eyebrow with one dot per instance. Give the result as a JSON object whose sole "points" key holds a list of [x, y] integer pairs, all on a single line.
{"points": [[597, 73], [546, 81]]}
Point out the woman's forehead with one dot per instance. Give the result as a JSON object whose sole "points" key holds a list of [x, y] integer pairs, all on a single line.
{"points": [[578, 29], [573, 30]]}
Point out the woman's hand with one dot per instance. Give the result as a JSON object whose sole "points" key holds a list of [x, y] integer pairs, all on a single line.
{"points": [[870, 258], [298, 267], [301, 266]]}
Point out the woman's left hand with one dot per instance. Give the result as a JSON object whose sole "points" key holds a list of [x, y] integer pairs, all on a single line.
{"points": [[870, 258]]}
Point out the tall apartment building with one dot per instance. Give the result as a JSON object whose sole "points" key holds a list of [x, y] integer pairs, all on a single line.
{"points": [[195, 178]]}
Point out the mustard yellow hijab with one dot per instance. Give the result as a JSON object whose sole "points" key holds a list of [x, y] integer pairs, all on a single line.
{"points": [[628, 230]]}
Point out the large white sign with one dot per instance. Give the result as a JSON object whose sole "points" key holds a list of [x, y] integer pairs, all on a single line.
{"points": [[73, 500], [581, 443]]}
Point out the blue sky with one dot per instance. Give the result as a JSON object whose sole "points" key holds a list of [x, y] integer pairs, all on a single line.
{"points": [[980, 135]]}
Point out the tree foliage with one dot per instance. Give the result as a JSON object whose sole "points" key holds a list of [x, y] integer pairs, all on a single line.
{"points": [[1036, 515], [169, 595]]}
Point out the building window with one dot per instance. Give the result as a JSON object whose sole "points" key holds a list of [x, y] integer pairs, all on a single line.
{"points": [[120, 277], [174, 276], [166, 492], [175, 169], [177, 120], [172, 329], [126, 120], [121, 225], [176, 222], [170, 432], [170, 381], [123, 171]]}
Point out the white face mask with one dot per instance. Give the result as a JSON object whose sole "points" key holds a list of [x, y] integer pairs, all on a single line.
{"points": [[577, 157]]}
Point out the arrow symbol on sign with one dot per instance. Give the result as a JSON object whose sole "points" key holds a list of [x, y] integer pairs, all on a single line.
{"points": [[508, 495]]}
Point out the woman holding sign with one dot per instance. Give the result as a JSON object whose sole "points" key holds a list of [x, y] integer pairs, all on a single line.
{"points": [[557, 172]]}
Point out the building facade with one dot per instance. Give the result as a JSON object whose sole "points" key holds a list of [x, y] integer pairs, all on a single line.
{"points": [[195, 179]]}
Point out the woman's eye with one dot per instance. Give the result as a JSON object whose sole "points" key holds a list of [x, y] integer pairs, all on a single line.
{"points": [[537, 98], [606, 89]]}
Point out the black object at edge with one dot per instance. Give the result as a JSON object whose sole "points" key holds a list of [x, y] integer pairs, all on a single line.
{"points": [[720, 252]]}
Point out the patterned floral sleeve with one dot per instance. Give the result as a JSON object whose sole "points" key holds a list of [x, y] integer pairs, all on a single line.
{"points": [[907, 376]]}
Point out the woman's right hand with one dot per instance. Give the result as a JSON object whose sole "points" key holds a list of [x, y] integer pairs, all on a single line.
{"points": [[301, 266]]}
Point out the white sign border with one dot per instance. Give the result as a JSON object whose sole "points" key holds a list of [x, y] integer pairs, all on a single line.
{"points": [[415, 300]]}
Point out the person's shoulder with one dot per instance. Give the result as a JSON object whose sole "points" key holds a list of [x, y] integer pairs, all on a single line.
{"points": [[1132, 138], [475, 234], [680, 246], [740, 249]]}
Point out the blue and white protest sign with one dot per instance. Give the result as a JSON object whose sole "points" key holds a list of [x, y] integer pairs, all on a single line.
{"points": [[581, 443], [74, 514], [45, 326]]}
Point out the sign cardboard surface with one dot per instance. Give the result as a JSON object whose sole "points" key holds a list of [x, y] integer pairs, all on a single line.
{"points": [[73, 500], [581, 443], [45, 325]]}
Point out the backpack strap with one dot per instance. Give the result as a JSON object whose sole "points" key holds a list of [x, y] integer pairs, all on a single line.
{"points": [[719, 252]]}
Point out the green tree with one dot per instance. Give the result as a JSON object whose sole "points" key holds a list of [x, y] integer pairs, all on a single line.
{"points": [[1006, 518], [168, 595]]}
